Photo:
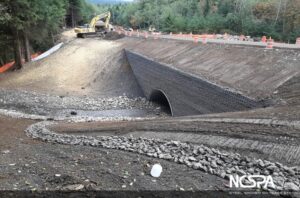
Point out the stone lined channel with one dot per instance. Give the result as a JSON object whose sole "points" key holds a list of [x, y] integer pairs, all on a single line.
{"points": [[46, 106], [198, 157]]}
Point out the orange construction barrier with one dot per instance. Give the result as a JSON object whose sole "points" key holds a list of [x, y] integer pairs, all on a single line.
{"points": [[225, 36], [146, 35], [264, 39], [204, 39], [242, 38], [196, 38], [270, 43], [298, 41], [208, 36], [35, 55], [7, 66]]}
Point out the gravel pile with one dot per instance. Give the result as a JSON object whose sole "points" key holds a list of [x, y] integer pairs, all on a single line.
{"points": [[198, 157], [49, 105]]}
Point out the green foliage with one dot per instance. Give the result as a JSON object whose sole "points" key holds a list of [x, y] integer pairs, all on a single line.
{"points": [[39, 21], [278, 19], [80, 11], [215, 23]]}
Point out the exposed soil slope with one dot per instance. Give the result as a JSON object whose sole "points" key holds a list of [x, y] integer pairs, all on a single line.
{"points": [[84, 67]]}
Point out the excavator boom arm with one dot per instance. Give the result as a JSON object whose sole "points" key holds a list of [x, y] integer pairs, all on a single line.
{"points": [[107, 20], [93, 21], [105, 16]]}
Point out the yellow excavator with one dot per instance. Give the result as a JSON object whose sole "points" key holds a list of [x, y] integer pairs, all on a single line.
{"points": [[152, 28], [98, 26]]}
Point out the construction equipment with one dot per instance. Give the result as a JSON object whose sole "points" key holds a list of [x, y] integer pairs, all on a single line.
{"points": [[152, 28], [98, 26]]}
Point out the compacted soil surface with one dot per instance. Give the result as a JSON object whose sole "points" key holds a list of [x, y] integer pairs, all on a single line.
{"points": [[27, 164]]}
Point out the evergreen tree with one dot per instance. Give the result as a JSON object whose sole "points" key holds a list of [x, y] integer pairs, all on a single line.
{"points": [[22, 18]]}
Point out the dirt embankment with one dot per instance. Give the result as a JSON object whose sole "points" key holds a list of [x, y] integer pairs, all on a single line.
{"points": [[95, 66], [82, 67], [256, 72]]}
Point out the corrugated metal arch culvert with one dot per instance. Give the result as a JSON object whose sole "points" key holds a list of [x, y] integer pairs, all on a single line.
{"points": [[159, 96]]}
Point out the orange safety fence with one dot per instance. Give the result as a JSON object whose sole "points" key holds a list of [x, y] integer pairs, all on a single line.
{"points": [[196, 38], [7, 66], [204, 38], [156, 35], [298, 41], [270, 43], [208, 36], [190, 36]]}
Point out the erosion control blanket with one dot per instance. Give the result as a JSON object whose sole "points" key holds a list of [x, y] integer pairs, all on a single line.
{"points": [[47, 53]]}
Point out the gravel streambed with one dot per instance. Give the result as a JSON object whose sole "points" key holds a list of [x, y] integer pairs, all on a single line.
{"points": [[56, 107]]}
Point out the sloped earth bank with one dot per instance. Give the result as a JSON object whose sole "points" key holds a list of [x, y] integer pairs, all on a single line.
{"points": [[92, 67], [85, 78], [89, 80], [255, 72]]}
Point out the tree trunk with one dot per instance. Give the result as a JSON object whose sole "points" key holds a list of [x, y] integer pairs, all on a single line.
{"points": [[1, 62], [17, 50], [53, 39], [27, 48], [73, 20]]}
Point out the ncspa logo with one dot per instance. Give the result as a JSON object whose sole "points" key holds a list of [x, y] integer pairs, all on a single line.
{"points": [[253, 181]]}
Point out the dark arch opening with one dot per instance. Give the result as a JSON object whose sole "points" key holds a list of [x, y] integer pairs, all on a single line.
{"points": [[158, 97]]}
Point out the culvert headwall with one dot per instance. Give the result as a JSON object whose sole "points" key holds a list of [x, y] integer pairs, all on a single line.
{"points": [[186, 94]]}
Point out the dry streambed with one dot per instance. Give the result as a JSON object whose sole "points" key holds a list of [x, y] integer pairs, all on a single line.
{"points": [[66, 107]]}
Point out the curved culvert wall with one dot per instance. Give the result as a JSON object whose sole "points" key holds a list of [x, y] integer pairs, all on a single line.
{"points": [[159, 97], [187, 94]]}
